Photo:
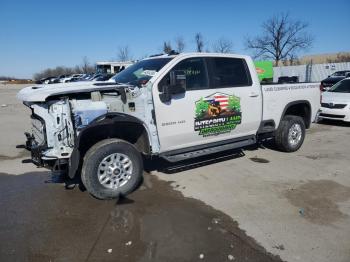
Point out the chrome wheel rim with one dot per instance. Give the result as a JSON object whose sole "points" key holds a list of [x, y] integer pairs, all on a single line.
{"points": [[114, 171], [294, 134]]}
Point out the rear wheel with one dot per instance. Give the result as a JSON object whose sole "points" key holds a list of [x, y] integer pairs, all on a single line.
{"points": [[290, 134], [112, 168]]}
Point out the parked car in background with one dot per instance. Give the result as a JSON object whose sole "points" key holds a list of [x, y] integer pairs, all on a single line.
{"points": [[58, 79], [69, 78], [75, 79], [335, 104], [61, 77], [87, 77], [334, 78], [47, 80], [102, 77]]}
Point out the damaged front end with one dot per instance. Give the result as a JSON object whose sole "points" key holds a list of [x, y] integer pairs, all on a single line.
{"points": [[58, 120], [51, 139]]}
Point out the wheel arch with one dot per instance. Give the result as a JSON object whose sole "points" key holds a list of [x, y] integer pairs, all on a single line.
{"points": [[300, 108], [110, 125]]}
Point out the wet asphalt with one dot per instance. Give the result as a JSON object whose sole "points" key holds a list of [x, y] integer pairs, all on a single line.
{"points": [[42, 220]]}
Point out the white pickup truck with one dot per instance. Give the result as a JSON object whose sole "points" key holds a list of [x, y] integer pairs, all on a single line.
{"points": [[171, 106]]}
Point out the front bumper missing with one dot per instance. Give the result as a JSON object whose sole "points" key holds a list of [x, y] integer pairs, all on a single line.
{"points": [[39, 159], [35, 150]]}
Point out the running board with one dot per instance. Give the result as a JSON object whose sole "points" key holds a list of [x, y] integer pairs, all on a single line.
{"points": [[208, 150]]}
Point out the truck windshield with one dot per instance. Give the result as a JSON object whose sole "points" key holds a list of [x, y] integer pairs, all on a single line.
{"points": [[140, 73], [341, 87]]}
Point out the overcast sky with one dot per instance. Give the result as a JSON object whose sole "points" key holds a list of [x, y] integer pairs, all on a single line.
{"points": [[36, 35]]}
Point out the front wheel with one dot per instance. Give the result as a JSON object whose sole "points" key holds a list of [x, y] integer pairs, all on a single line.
{"points": [[290, 134], [112, 168]]}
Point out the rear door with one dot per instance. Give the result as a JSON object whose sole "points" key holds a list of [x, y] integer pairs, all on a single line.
{"points": [[220, 103], [231, 78]]}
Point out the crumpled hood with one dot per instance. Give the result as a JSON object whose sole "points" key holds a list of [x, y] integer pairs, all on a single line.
{"points": [[39, 93]]}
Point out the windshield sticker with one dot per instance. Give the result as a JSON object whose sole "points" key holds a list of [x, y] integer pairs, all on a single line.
{"points": [[217, 114], [149, 72]]}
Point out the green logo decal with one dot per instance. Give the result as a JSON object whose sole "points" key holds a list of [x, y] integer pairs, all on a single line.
{"points": [[217, 114]]}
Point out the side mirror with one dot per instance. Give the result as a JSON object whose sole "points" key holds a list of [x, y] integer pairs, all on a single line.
{"points": [[176, 85]]}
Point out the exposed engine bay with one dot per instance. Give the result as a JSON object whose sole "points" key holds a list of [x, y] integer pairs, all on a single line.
{"points": [[58, 121]]}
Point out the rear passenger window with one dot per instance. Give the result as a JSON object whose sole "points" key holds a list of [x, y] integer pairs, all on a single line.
{"points": [[230, 72], [196, 73]]}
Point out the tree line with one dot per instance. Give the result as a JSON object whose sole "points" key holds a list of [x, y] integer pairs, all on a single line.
{"points": [[281, 39], [84, 68]]}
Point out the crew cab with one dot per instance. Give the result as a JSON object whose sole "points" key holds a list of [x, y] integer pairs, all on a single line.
{"points": [[174, 107]]}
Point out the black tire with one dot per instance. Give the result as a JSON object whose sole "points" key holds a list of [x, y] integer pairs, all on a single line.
{"points": [[96, 154], [282, 134]]}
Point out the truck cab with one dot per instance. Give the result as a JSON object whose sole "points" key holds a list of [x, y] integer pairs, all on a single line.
{"points": [[170, 106]]}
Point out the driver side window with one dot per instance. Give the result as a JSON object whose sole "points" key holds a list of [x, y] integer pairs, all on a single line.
{"points": [[196, 73]]}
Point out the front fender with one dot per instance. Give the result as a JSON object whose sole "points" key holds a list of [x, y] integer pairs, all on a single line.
{"points": [[105, 124]]}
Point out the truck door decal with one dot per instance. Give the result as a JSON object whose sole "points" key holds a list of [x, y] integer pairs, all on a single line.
{"points": [[217, 114]]}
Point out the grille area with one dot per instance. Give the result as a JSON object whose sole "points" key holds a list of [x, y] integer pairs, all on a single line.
{"points": [[328, 84], [335, 106], [38, 131], [332, 116]]}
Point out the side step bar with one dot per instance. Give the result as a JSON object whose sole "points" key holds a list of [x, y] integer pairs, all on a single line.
{"points": [[180, 156]]}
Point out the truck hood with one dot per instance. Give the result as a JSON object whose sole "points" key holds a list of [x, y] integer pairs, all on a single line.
{"points": [[333, 97], [39, 93]]}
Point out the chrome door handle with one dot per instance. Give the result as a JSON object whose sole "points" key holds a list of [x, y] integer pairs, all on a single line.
{"points": [[253, 94]]}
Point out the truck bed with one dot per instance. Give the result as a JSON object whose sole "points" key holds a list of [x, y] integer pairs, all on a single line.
{"points": [[276, 97]]}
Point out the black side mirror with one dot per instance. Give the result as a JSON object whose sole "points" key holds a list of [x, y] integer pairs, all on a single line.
{"points": [[176, 85]]}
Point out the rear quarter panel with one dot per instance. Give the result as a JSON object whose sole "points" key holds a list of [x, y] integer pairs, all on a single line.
{"points": [[277, 97]]}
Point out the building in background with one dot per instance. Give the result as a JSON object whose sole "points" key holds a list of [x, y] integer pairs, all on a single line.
{"points": [[112, 67], [309, 72], [311, 68]]}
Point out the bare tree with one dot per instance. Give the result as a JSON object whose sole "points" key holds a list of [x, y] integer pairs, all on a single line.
{"points": [[291, 59], [180, 44], [86, 67], [124, 53], [167, 47], [223, 45], [78, 70], [281, 37], [199, 42]]}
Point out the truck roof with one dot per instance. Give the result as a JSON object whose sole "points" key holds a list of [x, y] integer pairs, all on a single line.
{"points": [[201, 54]]}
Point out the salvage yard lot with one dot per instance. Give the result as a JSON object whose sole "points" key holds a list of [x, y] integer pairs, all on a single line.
{"points": [[251, 207]]}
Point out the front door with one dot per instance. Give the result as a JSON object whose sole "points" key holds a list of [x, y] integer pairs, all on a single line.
{"points": [[220, 103]]}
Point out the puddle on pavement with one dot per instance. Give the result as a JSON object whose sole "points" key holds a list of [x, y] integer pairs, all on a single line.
{"points": [[333, 155], [21, 154], [259, 160], [42, 221], [318, 200]]}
